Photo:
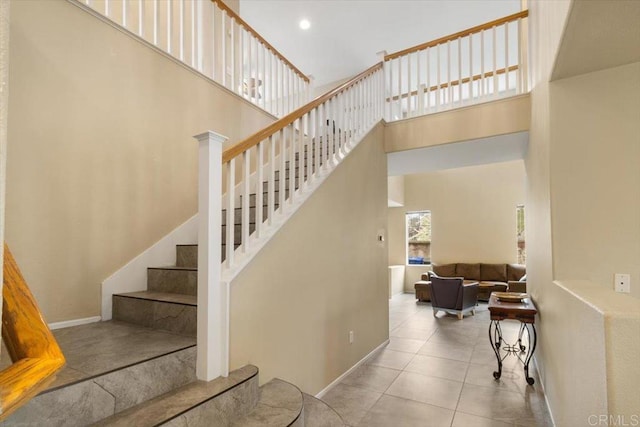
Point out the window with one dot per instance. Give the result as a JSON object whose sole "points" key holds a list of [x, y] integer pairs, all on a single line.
{"points": [[522, 253], [419, 237]]}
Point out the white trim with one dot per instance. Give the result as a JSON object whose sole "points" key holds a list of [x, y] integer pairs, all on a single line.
{"points": [[74, 322], [132, 277], [544, 393], [335, 382]]}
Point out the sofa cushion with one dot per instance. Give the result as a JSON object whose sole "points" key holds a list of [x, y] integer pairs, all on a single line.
{"points": [[468, 271], [445, 270], [493, 272], [515, 272]]}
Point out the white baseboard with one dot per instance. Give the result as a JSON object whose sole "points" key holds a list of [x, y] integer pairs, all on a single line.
{"points": [[74, 322], [546, 399], [350, 370], [133, 276]]}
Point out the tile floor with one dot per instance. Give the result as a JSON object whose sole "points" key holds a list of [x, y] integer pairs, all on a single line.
{"points": [[438, 372]]}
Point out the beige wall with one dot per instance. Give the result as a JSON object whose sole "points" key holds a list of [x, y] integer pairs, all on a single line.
{"points": [[473, 214], [324, 274], [4, 98], [480, 121], [395, 189], [582, 156], [595, 164], [101, 160]]}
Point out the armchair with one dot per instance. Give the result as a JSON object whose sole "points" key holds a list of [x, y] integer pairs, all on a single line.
{"points": [[451, 295]]}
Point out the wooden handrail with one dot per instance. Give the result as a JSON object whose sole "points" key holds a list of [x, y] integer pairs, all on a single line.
{"points": [[457, 35], [254, 139], [32, 347], [248, 27], [455, 82]]}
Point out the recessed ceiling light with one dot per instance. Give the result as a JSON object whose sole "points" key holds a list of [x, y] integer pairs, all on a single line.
{"points": [[305, 24]]}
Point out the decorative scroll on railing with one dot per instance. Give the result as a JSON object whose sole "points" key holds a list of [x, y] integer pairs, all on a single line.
{"points": [[214, 40], [34, 351], [271, 168], [478, 64]]}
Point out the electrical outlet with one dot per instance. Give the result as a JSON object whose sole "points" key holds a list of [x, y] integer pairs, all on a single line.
{"points": [[350, 337], [622, 283]]}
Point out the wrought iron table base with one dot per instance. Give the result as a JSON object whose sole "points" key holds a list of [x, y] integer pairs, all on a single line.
{"points": [[517, 349]]}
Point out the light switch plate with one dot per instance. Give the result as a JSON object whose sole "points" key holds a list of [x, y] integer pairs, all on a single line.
{"points": [[622, 283]]}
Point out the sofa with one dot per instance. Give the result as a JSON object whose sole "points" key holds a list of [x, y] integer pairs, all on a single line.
{"points": [[491, 278]]}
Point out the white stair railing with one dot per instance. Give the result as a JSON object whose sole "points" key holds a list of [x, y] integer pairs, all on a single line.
{"points": [[313, 139], [211, 38], [475, 65]]}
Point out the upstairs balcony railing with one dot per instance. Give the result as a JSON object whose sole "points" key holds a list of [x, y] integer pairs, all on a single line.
{"points": [[211, 38], [475, 65]]}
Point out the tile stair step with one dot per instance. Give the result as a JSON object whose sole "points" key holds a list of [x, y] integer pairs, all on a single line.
{"points": [[187, 256], [217, 402], [111, 366], [163, 311], [318, 414], [179, 280], [281, 404]]}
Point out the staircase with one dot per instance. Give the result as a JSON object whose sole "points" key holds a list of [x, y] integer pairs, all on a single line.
{"points": [[139, 368]]}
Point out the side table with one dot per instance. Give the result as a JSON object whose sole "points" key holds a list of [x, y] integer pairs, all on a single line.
{"points": [[525, 312]]}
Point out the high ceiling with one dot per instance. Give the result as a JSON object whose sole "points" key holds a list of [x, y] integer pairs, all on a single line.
{"points": [[345, 35]]}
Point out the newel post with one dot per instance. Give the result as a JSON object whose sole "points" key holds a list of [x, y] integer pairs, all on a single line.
{"points": [[213, 327]]}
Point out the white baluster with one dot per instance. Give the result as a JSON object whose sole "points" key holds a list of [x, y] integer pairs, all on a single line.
{"points": [[141, 14], [264, 76], [306, 151], [259, 188], [169, 24], [181, 29], [223, 46], [400, 88], [239, 87], [156, 22], [470, 67], [428, 53], [389, 72], [506, 57], [235, 86], [409, 87], [518, 56], [482, 80], [231, 203], [449, 85], [495, 62], [460, 70], [283, 168], [419, 92], [193, 37], [125, 10], [107, 8], [213, 42], [271, 180], [246, 194], [292, 162], [439, 82], [317, 141]]}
